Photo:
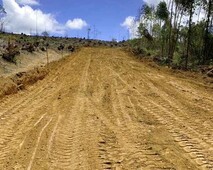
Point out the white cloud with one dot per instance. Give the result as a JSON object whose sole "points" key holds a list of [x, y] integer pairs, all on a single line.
{"points": [[24, 19], [76, 23], [28, 2], [152, 2], [131, 24]]}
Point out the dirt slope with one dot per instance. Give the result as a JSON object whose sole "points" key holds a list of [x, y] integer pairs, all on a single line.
{"points": [[101, 109], [28, 61]]}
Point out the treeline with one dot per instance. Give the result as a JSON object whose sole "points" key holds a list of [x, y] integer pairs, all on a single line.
{"points": [[180, 31]]}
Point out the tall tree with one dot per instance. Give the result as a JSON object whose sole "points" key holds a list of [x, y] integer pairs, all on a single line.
{"points": [[206, 34], [170, 32], [173, 29], [163, 14], [190, 7]]}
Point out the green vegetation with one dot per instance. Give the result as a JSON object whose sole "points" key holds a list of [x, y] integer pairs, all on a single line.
{"points": [[11, 51], [12, 45], [176, 33]]}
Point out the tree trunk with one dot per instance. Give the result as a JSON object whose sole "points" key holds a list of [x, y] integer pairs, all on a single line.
{"points": [[177, 33], [206, 35], [189, 34], [170, 33]]}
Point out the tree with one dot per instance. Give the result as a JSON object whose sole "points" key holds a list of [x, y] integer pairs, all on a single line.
{"points": [[189, 6], [45, 34], [171, 29], [170, 57], [147, 14], [206, 38], [144, 32], [162, 14]]}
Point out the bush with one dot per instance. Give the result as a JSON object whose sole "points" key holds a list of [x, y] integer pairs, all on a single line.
{"points": [[10, 56], [43, 49], [71, 48], [11, 52], [28, 47], [137, 48], [61, 47]]}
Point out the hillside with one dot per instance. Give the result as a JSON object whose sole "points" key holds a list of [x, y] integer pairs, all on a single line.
{"points": [[24, 59], [100, 108]]}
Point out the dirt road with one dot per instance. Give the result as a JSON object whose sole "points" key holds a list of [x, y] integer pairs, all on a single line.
{"points": [[101, 109]]}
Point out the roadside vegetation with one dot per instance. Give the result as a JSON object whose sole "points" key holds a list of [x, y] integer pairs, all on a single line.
{"points": [[177, 33], [12, 45]]}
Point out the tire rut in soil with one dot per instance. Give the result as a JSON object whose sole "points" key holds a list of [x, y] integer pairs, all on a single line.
{"points": [[101, 109]]}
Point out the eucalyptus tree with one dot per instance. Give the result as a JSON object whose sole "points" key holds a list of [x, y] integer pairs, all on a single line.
{"points": [[170, 29], [173, 29], [208, 32], [189, 7], [162, 14], [145, 15], [146, 21]]}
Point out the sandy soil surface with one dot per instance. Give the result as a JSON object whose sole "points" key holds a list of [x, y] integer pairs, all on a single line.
{"points": [[27, 61], [101, 109]]}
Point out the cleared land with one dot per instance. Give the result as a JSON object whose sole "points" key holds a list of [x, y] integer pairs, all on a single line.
{"points": [[101, 109]]}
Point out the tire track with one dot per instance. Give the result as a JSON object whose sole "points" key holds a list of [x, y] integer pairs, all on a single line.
{"points": [[70, 149], [173, 105], [37, 143], [102, 109], [21, 117], [169, 120], [9, 106]]}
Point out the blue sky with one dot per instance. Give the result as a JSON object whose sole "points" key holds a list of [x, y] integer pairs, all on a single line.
{"points": [[104, 16]]}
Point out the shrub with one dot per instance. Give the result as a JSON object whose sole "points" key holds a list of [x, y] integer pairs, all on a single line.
{"points": [[11, 52], [71, 48], [61, 47], [28, 47]]}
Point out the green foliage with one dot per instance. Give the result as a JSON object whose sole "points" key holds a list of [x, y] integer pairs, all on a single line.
{"points": [[136, 46], [186, 5], [156, 30], [141, 28], [169, 30], [162, 12], [178, 60], [11, 52], [146, 10]]}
